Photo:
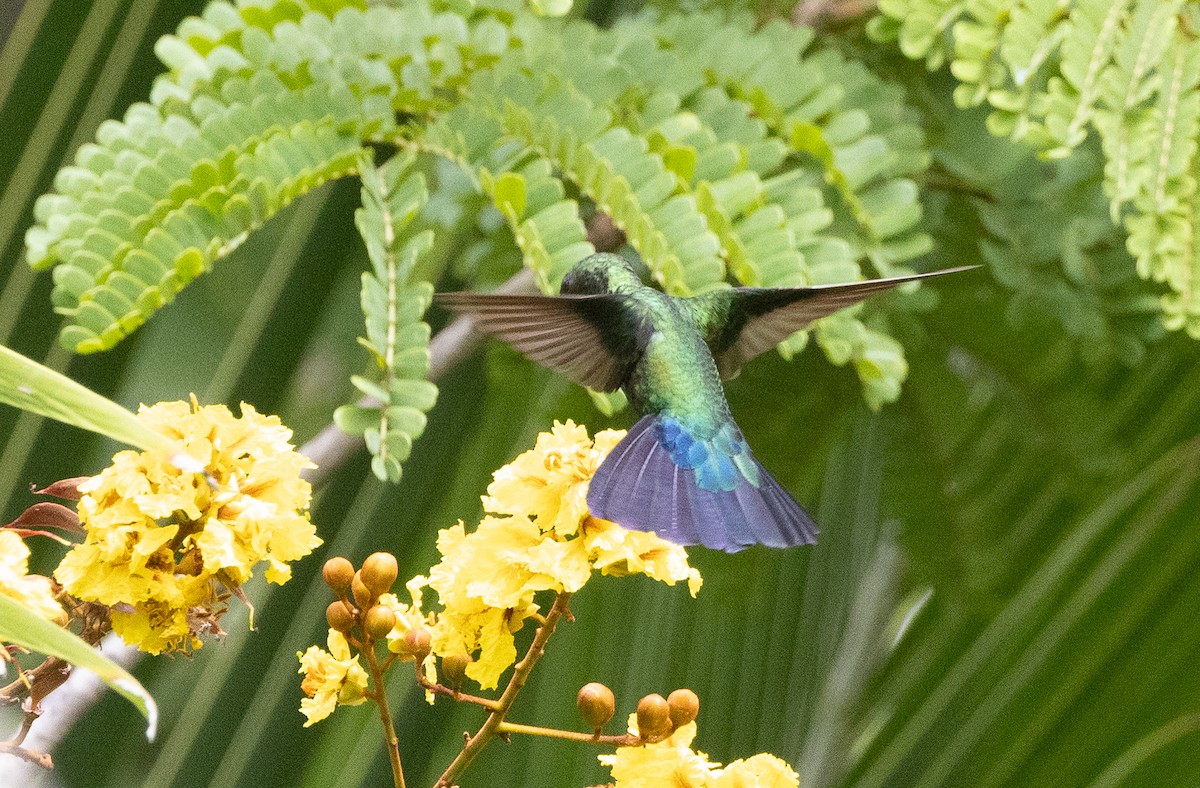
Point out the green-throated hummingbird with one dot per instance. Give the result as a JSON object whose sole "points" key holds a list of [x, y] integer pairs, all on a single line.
{"points": [[684, 470]]}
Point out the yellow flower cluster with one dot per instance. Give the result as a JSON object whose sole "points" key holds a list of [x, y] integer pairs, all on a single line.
{"points": [[33, 591], [672, 761], [538, 537], [165, 544], [408, 618], [331, 678]]}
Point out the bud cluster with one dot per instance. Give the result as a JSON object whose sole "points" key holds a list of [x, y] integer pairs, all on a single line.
{"points": [[358, 595], [657, 717]]}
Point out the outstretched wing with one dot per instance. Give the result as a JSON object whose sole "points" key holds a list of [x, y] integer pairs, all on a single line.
{"points": [[747, 321], [576, 335]]}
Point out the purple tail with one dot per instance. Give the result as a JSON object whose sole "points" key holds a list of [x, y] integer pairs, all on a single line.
{"points": [[639, 486]]}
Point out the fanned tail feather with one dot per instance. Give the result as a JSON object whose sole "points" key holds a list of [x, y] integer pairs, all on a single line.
{"points": [[639, 486]]}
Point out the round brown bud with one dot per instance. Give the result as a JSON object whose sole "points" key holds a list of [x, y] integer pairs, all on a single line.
{"points": [[685, 705], [417, 642], [596, 704], [379, 572], [339, 616], [338, 573], [362, 594], [653, 718], [379, 622], [454, 666]]}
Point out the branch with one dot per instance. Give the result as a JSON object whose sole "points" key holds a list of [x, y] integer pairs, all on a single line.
{"points": [[623, 740], [812, 13], [450, 692], [491, 726], [39, 759], [331, 447], [385, 715], [62, 709]]}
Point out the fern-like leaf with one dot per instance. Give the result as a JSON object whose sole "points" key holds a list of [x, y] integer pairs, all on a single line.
{"points": [[262, 103], [1054, 71], [394, 305]]}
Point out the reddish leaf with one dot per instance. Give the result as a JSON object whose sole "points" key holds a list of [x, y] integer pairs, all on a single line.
{"points": [[67, 489], [48, 515]]}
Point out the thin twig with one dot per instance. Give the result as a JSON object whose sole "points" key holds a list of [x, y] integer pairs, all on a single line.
{"points": [[624, 740], [385, 716], [441, 689], [491, 726], [41, 759], [62, 710]]}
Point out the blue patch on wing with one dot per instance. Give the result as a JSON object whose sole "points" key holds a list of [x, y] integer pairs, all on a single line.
{"points": [[720, 463]]}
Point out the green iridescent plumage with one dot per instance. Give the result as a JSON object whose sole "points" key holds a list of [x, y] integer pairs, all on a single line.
{"points": [[684, 471]]}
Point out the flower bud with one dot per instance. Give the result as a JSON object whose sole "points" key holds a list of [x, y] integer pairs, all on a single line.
{"points": [[379, 572], [685, 705], [454, 666], [417, 642], [596, 704], [379, 622], [362, 594], [653, 718], [339, 616], [338, 573]]}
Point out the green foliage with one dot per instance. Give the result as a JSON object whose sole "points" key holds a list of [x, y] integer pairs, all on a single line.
{"points": [[264, 102], [28, 385], [1021, 640], [1054, 71], [1038, 497], [394, 304], [21, 626]]}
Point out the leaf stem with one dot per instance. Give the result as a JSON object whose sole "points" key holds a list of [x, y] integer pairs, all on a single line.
{"points": [[491, 725], [385, 716]]}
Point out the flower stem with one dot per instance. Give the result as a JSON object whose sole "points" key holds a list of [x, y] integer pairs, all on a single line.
{"points": [[495, 719], [462, 697], [624, 740], [385, 716]]}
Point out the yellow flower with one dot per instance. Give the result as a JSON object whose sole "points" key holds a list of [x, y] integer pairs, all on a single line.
{"points": [[673, 762], [616, 551], [548, 481], [408, 617], [166, 544], [549, 485], [331, 678], [538, 537], [761, 771], [668, 762], [33, 591]]}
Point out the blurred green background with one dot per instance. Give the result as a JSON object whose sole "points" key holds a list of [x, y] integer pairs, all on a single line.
{"points": [[1025, 515]]}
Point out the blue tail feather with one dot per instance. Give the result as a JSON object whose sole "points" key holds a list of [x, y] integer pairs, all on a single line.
{"points": [[718, 495]]}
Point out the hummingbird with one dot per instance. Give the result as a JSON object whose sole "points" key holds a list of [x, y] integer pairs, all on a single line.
{"points": [[684, 470]]}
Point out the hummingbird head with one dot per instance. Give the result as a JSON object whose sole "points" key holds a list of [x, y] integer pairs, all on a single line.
{"points": [[600, 273]]}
